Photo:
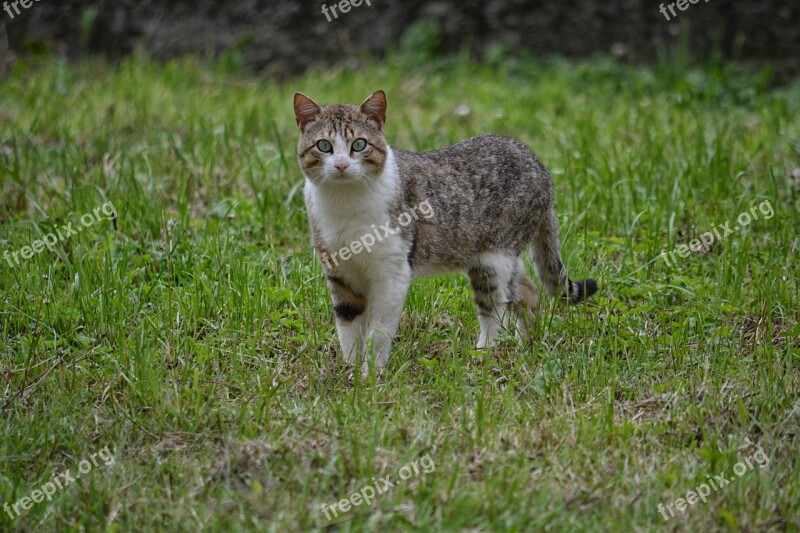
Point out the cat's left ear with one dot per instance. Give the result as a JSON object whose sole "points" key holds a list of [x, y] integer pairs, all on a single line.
{"points": [[305, 110], [375, 107]]}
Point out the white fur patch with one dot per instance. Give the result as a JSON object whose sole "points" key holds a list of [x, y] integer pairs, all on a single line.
{"points": [[346, 212]]}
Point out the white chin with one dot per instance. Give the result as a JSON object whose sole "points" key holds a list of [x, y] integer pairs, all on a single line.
{"points": [[340, 178]]}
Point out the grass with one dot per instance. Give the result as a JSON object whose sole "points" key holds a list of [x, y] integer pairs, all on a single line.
{"points": [[194, 336]]}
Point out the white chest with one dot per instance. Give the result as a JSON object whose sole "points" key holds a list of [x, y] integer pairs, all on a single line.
{"points": [[355, 224]]}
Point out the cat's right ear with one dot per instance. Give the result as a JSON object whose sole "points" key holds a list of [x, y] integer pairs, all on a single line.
{"points": [[375, 107], [305, 110]]}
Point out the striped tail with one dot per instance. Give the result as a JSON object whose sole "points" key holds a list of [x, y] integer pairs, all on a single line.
{"points": [[547, 259]]}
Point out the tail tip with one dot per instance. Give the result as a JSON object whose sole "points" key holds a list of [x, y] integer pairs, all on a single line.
{"points": [[582, 289]]}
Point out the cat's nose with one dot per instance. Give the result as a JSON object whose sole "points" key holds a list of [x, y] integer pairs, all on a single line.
{"points": [[342, 167]]}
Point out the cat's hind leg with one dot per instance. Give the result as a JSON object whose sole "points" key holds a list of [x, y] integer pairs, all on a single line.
{"points": [[525, 308], [495, 280]]}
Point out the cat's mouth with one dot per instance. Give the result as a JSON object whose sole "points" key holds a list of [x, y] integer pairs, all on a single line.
{"points": [[342, 176], [346, 177]]}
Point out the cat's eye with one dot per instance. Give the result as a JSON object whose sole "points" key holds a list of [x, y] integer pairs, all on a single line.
{"points": [[359, 144], [324, 146]]}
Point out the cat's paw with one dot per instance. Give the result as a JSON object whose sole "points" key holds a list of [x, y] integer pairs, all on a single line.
{"points": [[381, 362], [482, 344], [378, 369]]}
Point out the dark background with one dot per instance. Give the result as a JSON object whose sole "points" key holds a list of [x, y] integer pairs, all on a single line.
{"points": [[286, 36]]}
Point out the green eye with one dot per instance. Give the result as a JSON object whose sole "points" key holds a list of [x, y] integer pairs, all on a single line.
{"points": [[359, 144], [324, 146]]}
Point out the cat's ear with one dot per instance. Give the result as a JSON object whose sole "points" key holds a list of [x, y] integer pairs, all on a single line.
{"points": [[375, 107], [305, 110]]}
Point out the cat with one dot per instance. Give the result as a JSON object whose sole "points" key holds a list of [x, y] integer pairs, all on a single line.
{"points": [[489, 199]]}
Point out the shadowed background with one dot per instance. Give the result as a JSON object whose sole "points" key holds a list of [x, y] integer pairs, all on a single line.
{"points": [[193, 335], [285, 36]]}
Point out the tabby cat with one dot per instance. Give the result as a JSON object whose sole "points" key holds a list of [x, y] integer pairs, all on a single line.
{"points": [[487, 199]]}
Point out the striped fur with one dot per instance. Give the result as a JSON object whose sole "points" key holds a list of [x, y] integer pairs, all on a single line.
{"points": [[491, 200]]}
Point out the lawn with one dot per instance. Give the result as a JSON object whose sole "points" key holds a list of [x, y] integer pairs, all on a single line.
{"points": [[192, 335]]}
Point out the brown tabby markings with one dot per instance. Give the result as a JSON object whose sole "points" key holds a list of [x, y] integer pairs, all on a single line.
{"points": [[348, 304], [492, 200]]}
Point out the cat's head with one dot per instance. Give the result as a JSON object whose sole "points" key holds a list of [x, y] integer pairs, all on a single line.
{"points": [[341, 144]]}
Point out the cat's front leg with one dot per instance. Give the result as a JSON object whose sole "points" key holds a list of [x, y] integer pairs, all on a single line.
{"points": [[349, 306], [386, 299], [351, 337]]}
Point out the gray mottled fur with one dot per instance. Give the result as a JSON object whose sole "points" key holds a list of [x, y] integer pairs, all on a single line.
{"points": [[491, 198]]}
